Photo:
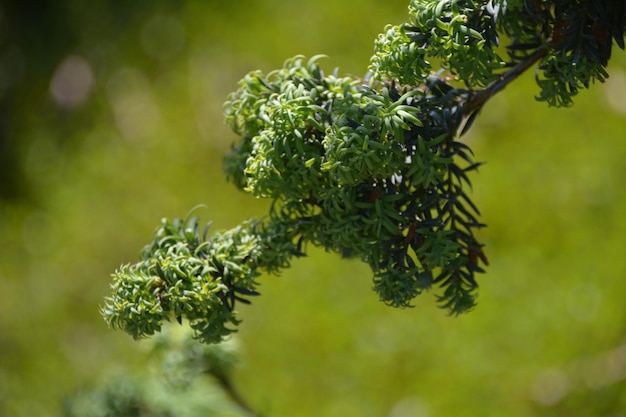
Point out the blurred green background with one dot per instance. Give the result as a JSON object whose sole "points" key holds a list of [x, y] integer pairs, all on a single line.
{"points": [[110, 118]]}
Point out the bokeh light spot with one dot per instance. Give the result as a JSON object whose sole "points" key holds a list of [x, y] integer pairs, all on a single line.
{"points": [[615, 91], [410, 407], [134, 108], [72, 82], [550, 387]]}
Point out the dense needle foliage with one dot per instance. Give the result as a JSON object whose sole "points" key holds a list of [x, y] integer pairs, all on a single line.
{"points": [[369, 168]]}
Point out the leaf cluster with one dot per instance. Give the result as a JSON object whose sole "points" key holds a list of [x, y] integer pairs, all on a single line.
{"points": [[577, 36], [365, 169], [460, 35], [463, 37], [181, 274]]}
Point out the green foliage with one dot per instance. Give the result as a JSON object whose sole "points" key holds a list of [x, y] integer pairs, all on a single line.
{"points": [[367, 168], [577, 36], [183, 275], [460, 34]]}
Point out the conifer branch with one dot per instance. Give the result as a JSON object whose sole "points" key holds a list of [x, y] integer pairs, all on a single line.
{"points": [[367, 169]]}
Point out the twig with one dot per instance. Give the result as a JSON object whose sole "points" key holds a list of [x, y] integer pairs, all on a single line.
{"points": [[480, 97], [234, 395]]}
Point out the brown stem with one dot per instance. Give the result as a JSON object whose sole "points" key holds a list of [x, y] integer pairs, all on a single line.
{"points": [[480, 97]]}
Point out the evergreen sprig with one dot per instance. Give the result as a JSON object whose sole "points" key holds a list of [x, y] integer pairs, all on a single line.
{"points": [[367, 168]]}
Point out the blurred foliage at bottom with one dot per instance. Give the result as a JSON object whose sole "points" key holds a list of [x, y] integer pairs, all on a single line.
{"points": [[184, 380]]}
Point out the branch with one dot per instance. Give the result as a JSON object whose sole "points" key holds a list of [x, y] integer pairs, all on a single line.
{"points": [[479, 98]]}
